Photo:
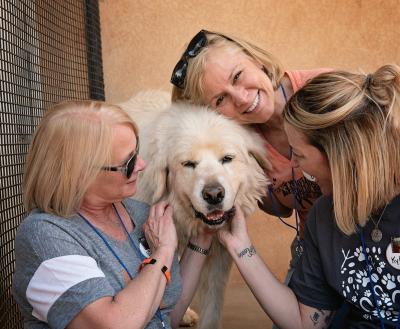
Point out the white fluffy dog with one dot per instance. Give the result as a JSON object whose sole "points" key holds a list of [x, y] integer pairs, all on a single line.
{"points": [[203, 164]]}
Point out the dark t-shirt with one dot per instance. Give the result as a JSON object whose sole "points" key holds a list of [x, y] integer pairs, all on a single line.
{"points": [[333, 268]]}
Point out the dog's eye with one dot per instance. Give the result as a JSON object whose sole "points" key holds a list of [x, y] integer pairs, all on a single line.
{"points": [[227, 158], [190, 164]]}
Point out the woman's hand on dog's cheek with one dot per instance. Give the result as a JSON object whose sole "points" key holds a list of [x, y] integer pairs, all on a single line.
{"points": [[159, 228], [234, 235]]}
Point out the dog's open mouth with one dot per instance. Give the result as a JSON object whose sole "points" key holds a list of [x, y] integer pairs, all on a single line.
{"points": [[215, 217]]}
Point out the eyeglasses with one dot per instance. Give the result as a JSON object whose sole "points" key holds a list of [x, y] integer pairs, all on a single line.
{"points": [[128, 167], [198, 42]]}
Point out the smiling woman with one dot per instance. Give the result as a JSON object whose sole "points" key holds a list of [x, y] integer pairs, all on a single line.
{"points": [[234, 84]]}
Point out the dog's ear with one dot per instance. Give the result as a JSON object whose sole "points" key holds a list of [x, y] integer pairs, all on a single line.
{"points": [[160, 181], [154, 181], [257, 150], [261, 159]]}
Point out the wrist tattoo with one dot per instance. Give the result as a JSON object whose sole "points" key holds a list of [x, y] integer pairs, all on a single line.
{"points": [[250, 251], [315, 318], [321, 316]]}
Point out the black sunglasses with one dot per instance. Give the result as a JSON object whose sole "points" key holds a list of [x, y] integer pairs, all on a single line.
{"points": [[128, 167], [198, 42]]}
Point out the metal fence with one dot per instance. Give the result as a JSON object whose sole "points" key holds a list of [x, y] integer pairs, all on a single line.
{"points": [[50, 50]]}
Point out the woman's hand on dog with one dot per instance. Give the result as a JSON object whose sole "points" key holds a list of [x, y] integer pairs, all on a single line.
{"points": [[204, 237], [234, 235], [160, 229]]}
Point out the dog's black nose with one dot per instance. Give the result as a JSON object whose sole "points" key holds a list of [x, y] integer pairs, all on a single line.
{"points": [[213, 193]]}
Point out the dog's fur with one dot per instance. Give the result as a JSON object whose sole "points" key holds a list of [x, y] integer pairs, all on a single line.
{"points": [[202, 163]]}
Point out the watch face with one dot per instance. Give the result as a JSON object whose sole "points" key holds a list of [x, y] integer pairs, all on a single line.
{"points": [[144, 247]]}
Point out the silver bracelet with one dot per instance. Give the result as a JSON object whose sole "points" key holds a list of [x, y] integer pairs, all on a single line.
{"points": [[198, 249]]}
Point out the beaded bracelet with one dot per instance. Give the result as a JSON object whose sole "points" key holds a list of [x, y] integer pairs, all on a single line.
{"points": [[198, 249], [152, 261]]}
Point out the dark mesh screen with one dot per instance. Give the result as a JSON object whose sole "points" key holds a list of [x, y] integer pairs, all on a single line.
{"points": [[50, 50]]}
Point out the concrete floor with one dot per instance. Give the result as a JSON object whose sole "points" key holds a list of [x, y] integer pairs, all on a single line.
{"points": [[272, 240], [241, 309]]}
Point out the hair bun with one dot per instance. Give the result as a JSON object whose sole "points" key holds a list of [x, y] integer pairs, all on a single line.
{"points": [[384, 88], [368, 80], [384, 83]]}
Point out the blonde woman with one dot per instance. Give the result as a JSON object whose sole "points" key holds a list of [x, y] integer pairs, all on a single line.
{"points": [[88, 256], [344, 131], [248, 84]]}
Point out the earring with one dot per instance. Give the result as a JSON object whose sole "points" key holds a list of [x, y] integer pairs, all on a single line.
{"points": [[309, 177]]}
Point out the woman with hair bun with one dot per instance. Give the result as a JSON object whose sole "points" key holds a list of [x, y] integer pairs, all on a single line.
{"points": [[344, 130]]}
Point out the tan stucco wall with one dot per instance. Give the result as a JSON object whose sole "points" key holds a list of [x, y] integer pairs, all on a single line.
{"points": [[142, 41]]}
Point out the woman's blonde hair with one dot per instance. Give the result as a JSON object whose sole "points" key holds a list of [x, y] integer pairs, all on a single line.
{"points": [[354, 120], [69, 147], [192, 90]]}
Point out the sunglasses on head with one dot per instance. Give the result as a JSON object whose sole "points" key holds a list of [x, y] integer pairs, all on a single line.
{"points": [[194, 47], [198, 42], [128, 167]]}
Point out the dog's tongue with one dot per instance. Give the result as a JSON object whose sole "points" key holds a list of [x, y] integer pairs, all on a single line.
{"points": [[217, 214]]}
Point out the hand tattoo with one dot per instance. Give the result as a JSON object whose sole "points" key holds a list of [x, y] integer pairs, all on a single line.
{"points": [[250, 251]]}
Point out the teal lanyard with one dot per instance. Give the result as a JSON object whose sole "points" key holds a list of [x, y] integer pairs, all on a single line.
{"points": [[137, 251]]}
